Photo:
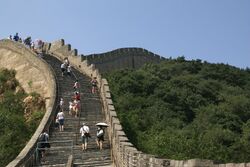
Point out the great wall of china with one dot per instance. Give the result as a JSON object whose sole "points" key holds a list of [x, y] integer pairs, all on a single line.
{"points": [[123, 153]]}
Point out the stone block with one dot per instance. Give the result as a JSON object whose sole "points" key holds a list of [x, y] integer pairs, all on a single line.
{"points": [[108, 95], [179, 163], [155, 162], [123, 139], [112, 114], [172, 163], [199, 162], [121, 133], [117, 127], [111, 108], [106, 88], [115, 120], [109, 101]]}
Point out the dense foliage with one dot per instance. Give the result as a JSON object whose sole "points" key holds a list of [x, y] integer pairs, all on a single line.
{"points": [[15, 129], [185, 109]]}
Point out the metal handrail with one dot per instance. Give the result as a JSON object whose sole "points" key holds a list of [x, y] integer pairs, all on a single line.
{"points": [[37, 157]]}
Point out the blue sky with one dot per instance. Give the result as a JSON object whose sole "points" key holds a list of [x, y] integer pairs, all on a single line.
{"points": [[217, 31]]}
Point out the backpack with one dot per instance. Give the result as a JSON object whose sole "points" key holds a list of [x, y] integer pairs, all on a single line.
{"points": [[87, 134], [41, 138], [100, 134]]}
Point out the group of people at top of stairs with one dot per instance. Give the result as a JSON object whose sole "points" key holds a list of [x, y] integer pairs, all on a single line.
{"points": [[85, 135], [35, 45], [65, 67]]}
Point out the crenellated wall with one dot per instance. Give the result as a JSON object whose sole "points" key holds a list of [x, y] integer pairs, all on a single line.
{"points": [[109, 61], [123, 152], [122, 58], [33, 74]]}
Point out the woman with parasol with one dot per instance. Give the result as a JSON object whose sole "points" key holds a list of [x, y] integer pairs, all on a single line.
{"points": [[100, 134]]}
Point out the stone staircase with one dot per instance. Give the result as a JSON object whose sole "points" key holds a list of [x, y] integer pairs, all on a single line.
{"points": [[68, 142]]}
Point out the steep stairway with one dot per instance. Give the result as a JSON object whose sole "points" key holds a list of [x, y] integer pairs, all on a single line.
{"points": [[68, 142]]}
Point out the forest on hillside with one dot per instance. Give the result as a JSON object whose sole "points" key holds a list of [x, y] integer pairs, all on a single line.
{"points": [[20, 114], [182, 109]]}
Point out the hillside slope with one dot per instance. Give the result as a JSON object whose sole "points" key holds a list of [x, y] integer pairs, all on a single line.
{"points": [[185, 109]]}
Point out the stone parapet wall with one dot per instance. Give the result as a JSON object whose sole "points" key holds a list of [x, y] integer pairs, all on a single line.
{"points": [[109, 61], [122, 58], [123, 152], [33, 74]]}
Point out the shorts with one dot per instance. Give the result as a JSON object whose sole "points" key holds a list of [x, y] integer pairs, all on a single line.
{"points": [[61, 121], [101, 138], [63, 70], [84, 139]]}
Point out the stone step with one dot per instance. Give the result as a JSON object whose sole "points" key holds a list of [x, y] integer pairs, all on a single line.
{"points": [[91, 144], [93, 163], [87, 154], [54, 165]]}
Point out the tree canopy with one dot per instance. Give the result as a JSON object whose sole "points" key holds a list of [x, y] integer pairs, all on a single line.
{"points": [[182, 109], [15, 129]]}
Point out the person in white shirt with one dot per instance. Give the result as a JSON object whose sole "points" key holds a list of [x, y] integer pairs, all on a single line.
{"points": [[60, 117], [84, 131], [63, 68], [61, 104], [66, 61], [71, 108], [69, 70], [76, 85]]}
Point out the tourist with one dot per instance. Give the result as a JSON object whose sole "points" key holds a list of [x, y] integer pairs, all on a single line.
{"points": [[61, 104], [84, 131], [16, 37], [10, 37], [60, 117], [100, 137], [76, 85], [69, 70], [63, 68], [43, 143], [94, 85]]}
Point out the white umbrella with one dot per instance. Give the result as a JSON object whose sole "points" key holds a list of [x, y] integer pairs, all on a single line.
{"points": [[102, 124]]}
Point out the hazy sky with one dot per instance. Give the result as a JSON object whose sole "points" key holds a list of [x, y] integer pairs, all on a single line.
{"points": [[217, 31]]}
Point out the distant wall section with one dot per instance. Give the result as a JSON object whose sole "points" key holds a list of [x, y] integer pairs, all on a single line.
{"points": [[109, 61], [122, 58]]}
